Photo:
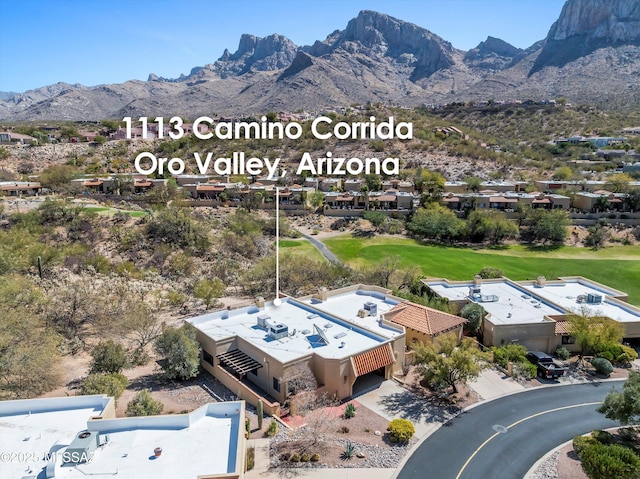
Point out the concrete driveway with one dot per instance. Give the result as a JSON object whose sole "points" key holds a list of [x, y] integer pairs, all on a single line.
{"points": [[391, 401], [492, 384]]}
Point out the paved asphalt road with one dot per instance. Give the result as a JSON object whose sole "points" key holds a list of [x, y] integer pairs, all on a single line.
{"points": [[471, 447], [323, 249]]}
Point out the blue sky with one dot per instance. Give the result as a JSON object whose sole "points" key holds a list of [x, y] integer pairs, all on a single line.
{"points": [[93, 42]]}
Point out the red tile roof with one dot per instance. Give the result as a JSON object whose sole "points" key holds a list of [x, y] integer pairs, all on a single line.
{"points": [[562, 327], [423, 319], [371, 360]]}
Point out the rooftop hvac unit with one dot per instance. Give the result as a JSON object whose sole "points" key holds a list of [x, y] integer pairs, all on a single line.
{"points": [[371, 307], [474, 291], [278, 331], [82, 448], [594, 298], [263, 319]]}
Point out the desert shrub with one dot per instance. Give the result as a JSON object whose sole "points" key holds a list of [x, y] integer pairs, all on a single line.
{"points": [[627, 356], [108, 357], [608, 355], [511, 352], [489, 273], [580, 443], [344, 430], [349, 411], [285, 456], [602, 366], [603, 437], [602, 461], [401, 430], [143, 404], [473, 313], [524, 370], [272, 430], [295, 458], [112, 384], [563, 353], [304, 457], [315, 457]]}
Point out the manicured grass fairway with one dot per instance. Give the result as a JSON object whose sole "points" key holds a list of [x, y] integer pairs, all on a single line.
{"points": [[618, 266], [300, 248]]}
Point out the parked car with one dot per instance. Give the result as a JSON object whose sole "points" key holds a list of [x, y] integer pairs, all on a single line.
{"points": [[547, 367]]}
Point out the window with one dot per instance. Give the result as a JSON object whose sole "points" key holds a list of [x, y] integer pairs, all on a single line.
{"points": [[276, 384], [207, 357], [568, 340], [254, 372]]}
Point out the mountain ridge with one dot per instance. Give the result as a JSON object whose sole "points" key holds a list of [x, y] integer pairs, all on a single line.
{"points": [[376, 57]]}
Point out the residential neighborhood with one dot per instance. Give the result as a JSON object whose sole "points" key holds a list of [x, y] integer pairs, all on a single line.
{"points": [[315, 240]]}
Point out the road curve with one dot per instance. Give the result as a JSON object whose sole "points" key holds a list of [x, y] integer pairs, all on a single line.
{"points": [[320, 246], [503, 438]]}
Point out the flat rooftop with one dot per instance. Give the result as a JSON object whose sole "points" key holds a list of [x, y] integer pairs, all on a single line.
{"points": [[347, 305], [305, 325], [202, 442], [514, 304], [567, 293]]}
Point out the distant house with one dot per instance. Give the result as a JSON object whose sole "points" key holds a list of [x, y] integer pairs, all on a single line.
{"points": [[17, 188], [19, 138]]}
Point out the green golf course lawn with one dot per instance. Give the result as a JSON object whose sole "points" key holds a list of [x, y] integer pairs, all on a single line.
{"points": [[616, 266]]}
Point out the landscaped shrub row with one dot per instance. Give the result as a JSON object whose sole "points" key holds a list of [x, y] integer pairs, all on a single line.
{"points": [[304, 457], [603, 460]]}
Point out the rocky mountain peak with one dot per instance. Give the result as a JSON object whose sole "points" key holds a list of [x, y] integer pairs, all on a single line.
{"points": [[376, 34], [493, 53], [587, 25], [268, 53]]}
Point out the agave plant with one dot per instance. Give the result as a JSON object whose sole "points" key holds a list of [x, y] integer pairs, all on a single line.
{"points": [[349, 451]]}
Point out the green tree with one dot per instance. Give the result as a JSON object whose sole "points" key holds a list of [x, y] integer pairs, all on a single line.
{"points": [[437, 222], [209, 290], [430, 184], [315, 199], [563, 173], [473, 313], [376, 218], [4, 153], [444, 363], [112, 384], [373, 182], [624, 406], [108, 357], [598, 235], [473, 183], [592, 333], [143, 404], [548, 225], [177, 227], [618, 183], [492, 225], [56, 177], [180, 351], [632, 200], [99, 139]]}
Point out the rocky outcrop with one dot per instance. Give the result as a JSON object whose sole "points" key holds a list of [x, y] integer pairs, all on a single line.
{"points": [[270, 53], [374, 35], [587, 25], [492, 54]]}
